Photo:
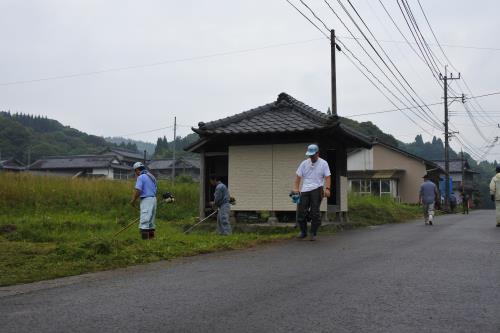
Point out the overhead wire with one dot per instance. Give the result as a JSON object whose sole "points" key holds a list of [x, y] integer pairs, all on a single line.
{"points": [[420, 36], [387, 111], [429, 122], [433, 56], [159, 63], [392, 63], [481, 112], [351, 54]]}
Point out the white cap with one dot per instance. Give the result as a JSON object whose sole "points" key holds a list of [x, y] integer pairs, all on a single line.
{"points": [[138, 165]]}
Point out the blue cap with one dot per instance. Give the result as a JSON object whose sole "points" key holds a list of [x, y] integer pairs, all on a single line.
{"points": [[312, 149]]}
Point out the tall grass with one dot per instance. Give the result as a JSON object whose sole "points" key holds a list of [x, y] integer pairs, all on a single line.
{"points": [[22, 192], [53, 226]]}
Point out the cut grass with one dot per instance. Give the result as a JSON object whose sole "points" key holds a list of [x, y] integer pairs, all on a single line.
{"points": [[54, 246], [54, 227]]}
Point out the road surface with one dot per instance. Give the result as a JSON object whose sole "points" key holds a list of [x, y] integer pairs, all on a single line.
{"points": [[393, 278]]}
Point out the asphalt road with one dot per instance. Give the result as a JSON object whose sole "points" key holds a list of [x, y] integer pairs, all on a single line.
{"points": [[394, 278]]}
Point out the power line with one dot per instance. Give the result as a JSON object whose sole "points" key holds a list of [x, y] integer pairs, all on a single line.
{"points": [[159, 63], [148, 131], [485, 95], [392, 63], [432, 122], [344, 47], [394, 110]]}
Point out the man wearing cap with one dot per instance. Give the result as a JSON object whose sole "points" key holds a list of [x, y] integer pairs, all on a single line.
{"points": [[495, 193], [314, 173], [145, 189], [428, 195]]}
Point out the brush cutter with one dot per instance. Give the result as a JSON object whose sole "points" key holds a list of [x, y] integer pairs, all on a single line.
{"points": [[206, 218], [167, 198]]}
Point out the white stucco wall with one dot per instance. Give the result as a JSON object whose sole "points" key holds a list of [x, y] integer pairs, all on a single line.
{"points": [[360, 160], [261, 176], [108, 173]]}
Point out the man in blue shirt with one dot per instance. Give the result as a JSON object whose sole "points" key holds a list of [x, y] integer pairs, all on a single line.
{"points": [[221, 201], [145, 189], [428, 195]]}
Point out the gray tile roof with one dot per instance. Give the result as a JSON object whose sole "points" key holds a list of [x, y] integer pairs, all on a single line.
{"points": [[167, 164], [284, 115], [123, 152], [11, 164], [78, 162], [456, 166]]}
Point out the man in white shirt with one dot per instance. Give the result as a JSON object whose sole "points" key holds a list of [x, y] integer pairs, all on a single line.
{"points": [[314, 173]]}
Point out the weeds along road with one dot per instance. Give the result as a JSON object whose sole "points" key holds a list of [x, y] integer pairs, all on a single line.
{"points": [[394, 278]]}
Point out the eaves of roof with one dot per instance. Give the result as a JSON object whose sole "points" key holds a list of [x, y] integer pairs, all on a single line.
{"points": [[285, 115]]}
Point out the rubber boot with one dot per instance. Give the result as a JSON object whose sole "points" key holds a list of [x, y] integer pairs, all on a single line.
{"points": [[151, 233], [144, 234]]}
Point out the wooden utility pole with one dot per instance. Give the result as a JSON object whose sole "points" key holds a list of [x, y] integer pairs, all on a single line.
{"points": [[445, 78], [334, 72], [173, 155]]}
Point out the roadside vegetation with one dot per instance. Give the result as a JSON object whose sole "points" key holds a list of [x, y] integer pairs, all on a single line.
{"points": [[53, 227], [370, 210]]}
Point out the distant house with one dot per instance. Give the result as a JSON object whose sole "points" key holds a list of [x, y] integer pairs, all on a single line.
{"points": [[385, 170], [125, 156], [162, 168], [462, 176], [11, 164], [258, 151], [107, 166]]}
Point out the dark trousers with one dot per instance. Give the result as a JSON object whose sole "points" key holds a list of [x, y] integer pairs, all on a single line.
{"points": [[309, 203]]}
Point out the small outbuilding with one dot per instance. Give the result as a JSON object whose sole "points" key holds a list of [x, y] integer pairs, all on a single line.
{"points": [[11, 164], [125, 156], [257, 153], [105, 166], [162, 168]]}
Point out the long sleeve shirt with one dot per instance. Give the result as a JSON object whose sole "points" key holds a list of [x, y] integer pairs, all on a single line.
{"points": [[221, 195]]}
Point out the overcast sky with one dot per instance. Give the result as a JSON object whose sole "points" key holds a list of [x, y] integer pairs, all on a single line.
{"points": [[120, 67]]}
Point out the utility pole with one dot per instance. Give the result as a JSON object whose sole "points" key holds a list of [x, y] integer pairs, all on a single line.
{"points": [[445, 78], [463, 170], [173, 156], [334, 46], [334, 73]]}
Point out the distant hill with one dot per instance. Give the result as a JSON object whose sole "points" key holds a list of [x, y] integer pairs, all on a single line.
{"points": [[133, 144], [164, 149], [371, 130], [28, 137]]}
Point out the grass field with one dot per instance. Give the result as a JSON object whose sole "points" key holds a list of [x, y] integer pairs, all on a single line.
{"points": [[52, 227]]}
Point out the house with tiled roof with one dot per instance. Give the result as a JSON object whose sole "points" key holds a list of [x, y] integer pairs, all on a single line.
{"points": [[105, 166], [385, 170], [461, 175], [162, 168], [11, 164], [257, 153], [125, 156]]}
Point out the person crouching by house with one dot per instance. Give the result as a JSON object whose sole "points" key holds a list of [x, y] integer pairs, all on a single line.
{"points": [[222, 203], [428, 195], [495, 193], [145, 189], [314, 173]]}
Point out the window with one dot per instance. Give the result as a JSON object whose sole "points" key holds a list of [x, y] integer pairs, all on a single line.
{"points": [[376, 187], [385, 187]]}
